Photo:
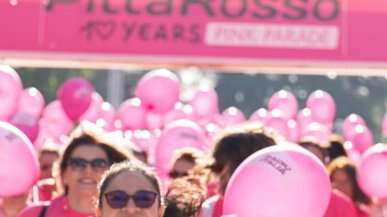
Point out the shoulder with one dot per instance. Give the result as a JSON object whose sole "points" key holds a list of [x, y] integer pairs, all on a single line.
{"points": [[35, 210], [211, 200], [340, 205], [208, 206]]}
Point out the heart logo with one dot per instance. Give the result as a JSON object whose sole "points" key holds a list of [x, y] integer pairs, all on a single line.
{"points": [[104, 29]]}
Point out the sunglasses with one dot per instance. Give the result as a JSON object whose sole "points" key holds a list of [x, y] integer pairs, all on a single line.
{"points": [[176, 174], [119, 199], [97, 164]]}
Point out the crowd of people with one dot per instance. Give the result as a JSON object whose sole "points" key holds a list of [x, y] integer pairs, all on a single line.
{"points": [[94, 177], [95, 173]]}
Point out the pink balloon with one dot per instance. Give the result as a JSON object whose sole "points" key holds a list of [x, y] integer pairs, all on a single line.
{"points": [[372, 174], [54, 120], [211, 130], [352, 153], [316, 131], [261, 116], [277, 122], [285, 102], [143, 139], [361, 138], [158, 91], [350, 123], [205, 104], [180, 111], [10, 89], [154, 121], [19, 167], [179, 134], [31, 102], [322, 106], [384, 125], [232, 116], [27, 123], [132, 114], [294, 131], [107, 116], [282, 180], [75, 96], [304, 118], [94, 111], [42, 138]]}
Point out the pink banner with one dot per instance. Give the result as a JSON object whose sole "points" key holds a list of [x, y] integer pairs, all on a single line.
{"points": [[201, 31]]}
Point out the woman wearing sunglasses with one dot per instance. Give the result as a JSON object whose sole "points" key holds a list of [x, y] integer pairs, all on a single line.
{"points": [[230, 150], [81, 166], [129, 189]]}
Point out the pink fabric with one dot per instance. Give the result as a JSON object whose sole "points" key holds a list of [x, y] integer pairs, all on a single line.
{"points": [[218, 208], [45, 192], [2, 214], [340, 206], [58, 208], [211, 189]]}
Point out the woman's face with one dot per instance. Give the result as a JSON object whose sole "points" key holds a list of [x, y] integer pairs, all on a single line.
{"points": [[342, 182], [46, 160], [181, 168], [132, 184], [84, 170]]}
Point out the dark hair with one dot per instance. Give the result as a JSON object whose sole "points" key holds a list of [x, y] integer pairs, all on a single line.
{"points": [[191, 155], [185, 197], [127, 166], [336, 147], [236, 145], [314, 143], [85, 135], [344, 164]]}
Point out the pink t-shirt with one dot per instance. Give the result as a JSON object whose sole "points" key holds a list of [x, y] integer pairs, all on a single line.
{"points": [[45, 192], [2, 214], [58, 208], [340, 206]]}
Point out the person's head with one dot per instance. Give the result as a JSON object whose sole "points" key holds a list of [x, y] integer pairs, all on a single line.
{"points": [[342, 173], [85, 158], [47, 156], [129, 189], [137, 152], [185, 159], [235, 146], [140, 155], [185, 197], [336, 147], [315, 148]]}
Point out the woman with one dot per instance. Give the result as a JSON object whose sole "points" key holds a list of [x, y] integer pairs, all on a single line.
{"points": [[46, 186], [343, 177], [229, 152], [185, 197], [129, 189], [185, 159], [81, 166]]}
